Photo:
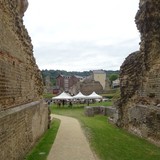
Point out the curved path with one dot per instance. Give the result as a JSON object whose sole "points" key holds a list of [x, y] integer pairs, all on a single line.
{"points": [[70, 142]]}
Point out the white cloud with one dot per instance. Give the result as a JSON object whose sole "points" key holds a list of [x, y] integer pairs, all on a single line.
{"points": [[82, 34]]}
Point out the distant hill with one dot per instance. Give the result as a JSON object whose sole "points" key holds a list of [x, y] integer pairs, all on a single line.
{"points": [[54, 73]]}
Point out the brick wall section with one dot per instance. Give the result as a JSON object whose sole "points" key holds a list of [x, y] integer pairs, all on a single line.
{"points": [[140, 77], [23, 115], [20, 80], [20, 128]]}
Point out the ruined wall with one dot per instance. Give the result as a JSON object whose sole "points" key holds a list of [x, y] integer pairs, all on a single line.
{"points": [[87, 88], [20, 83], [20, 128], [139, 106], [20, 80]]}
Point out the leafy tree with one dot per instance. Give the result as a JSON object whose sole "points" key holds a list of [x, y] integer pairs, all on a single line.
{"points": [[113, 77]]}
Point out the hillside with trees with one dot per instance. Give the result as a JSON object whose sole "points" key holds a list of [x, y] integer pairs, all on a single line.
{"points": [[54, 73]]}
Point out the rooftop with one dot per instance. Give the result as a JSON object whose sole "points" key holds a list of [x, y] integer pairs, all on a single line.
{"points": [[99, 72]]}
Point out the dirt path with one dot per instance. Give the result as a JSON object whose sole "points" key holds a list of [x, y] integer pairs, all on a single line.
{"points": [[70, 142]]}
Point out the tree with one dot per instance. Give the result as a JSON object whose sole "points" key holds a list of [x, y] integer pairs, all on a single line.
{"points": [[113, 77]]}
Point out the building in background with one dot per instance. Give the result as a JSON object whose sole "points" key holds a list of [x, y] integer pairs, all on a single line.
{"points": [[100, 76], [64, 83], [97, 82], [116, 83]]}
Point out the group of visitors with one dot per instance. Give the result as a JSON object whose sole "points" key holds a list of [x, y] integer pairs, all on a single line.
{"points": [[63, 103]]}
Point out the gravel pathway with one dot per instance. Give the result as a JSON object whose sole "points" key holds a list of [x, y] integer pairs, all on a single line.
{"points": [[70, 142]]}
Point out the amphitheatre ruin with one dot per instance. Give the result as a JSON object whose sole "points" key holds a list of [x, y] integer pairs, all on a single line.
{"points": [[24, 116]]}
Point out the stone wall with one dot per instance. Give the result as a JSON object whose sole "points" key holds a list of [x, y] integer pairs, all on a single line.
{"points": [[88, 87], [138, 107], [20, 84], [20, 79], [20, 128], [90, 111]]}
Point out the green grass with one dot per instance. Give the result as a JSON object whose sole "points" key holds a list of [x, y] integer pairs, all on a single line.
{"points": [[108, 141], [48, 95], [107, 103], [108, 94], [41, 150]]}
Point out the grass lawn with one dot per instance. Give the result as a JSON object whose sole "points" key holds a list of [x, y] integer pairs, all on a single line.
{"points": [[108, 141], [107, 103], [41, 150]]}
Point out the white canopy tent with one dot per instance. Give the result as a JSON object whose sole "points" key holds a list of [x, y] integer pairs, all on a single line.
{"points": [[80, 96], [62, 96], [94, 95]]}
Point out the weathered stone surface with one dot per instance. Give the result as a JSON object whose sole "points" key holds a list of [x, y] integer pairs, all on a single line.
{"points": [[88, 87], [110, 111], [23, 115], [22, 7], [20, 128], [145, 121], [103, 110], [89, 111], [140, 77], [20, 79], [94, 110]]}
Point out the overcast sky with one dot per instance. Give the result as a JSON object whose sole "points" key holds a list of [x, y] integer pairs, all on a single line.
{"points": [[82, 35]]}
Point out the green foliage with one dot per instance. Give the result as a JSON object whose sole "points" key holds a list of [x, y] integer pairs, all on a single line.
{"points": [[108, 141], [41, 150], [113, 77], [48, 95], [107, 103], [110, 72], [116, 95], [113, 94]]}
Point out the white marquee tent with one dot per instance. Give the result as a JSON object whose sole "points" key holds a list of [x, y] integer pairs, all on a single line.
{"points": [[94, 95], [80, 96], [62, 96]]}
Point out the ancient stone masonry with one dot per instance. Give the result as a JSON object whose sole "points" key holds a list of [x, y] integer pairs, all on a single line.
{"points": [[20, 80], [88, 88], [20, 128], [21, 104], [139, 105]]}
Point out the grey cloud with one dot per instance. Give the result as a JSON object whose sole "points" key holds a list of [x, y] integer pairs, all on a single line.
{"points": [[84, 55]]}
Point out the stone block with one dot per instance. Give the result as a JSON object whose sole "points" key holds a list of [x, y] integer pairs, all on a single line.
{"points": [[89, 111], [96, 109], [110, 111], [103, 110]]}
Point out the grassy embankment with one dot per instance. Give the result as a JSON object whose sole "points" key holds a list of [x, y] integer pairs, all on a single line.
{"points": [[108, 141]]}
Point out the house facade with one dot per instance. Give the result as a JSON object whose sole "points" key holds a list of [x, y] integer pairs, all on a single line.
{"points": [[97, 82], [64, 83]]}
